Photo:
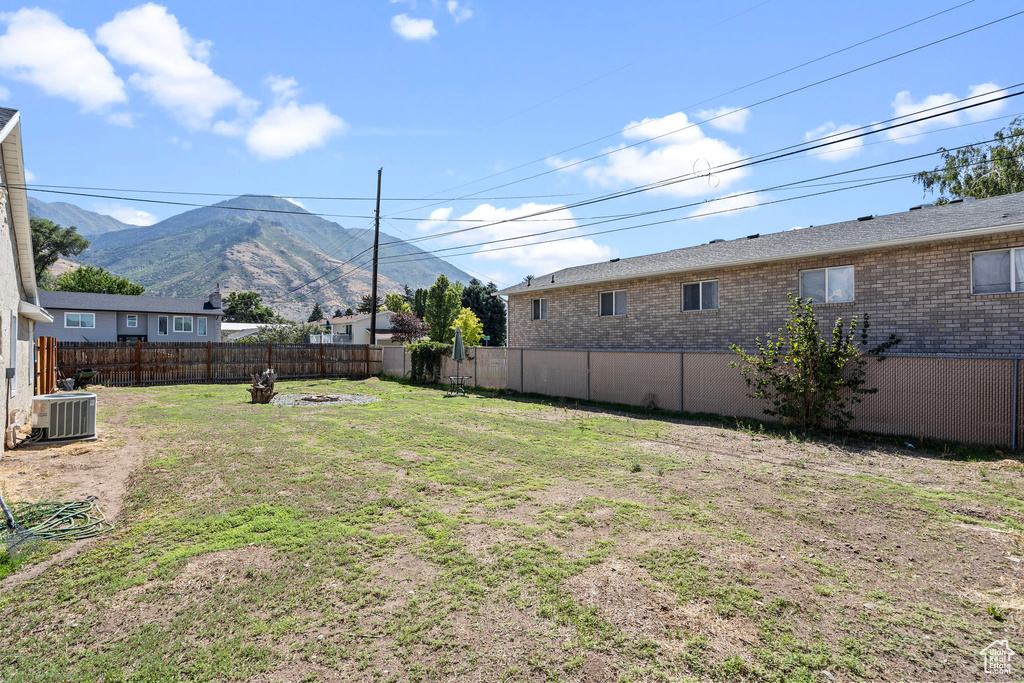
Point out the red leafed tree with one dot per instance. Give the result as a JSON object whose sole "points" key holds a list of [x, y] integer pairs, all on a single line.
{"points": [[406, 328]]}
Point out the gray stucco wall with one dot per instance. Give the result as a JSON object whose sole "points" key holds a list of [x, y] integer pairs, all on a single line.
{"points": [[11, 293], [110, 324]]}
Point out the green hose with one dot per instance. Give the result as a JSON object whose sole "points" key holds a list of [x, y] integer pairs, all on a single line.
{"points": [[55, 521]]}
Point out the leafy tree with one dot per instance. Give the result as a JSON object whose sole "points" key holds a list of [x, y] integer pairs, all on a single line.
{"points": [[444, 302], [284, 333], [246, 307], [406, 328], [472, 330], [419, 303], [96, 280], [809, 381], [980, 170], [349, 311], [50, 242], [338, 313], [426, 357], [489, 309], [396, 304], [316, 314], [365, 305]]}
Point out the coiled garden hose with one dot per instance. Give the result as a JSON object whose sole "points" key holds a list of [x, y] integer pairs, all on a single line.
{"points": [[56, 521]]}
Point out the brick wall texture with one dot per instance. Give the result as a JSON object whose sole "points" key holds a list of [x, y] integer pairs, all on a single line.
{"points": [[921, 292]]}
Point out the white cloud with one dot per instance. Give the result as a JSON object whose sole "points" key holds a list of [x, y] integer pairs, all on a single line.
{"points": [[459, 12], [680, 150], [171, 65], [526, 256], [904, 104], [297, 203], [231, 129], [413, 29], [289, 129], [30, 177], [40, 49], [838, 151], [127, 214], [284, 89], [5, 94], [726, 118], [123, 119]]}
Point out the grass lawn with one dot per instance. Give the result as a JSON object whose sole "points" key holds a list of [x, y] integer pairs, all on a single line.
{"points": [[487, 538]]}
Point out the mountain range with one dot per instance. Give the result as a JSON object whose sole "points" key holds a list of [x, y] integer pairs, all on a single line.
{"points": [[265, 244]]}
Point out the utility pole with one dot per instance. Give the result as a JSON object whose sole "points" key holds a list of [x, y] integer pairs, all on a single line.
{"points": [[376, 241]]}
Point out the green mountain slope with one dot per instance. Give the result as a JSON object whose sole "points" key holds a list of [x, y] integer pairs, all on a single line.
{"points": [[89, 223], [241, 254], [330, 238]]}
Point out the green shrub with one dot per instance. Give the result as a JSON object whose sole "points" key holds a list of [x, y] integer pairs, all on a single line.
{"points": [[426, 360]]}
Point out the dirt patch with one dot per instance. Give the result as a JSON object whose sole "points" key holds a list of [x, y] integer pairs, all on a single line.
{"points": [[321, 400]]}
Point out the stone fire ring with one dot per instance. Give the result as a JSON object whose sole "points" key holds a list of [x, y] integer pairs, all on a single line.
{"points": [[316, 400]]}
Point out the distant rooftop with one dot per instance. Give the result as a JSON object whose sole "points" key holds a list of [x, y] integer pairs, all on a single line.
{"points": [[87, 301], [864, 233]]}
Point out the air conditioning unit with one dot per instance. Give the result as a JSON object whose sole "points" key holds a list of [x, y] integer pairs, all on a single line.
{"points": [[67, 416]]}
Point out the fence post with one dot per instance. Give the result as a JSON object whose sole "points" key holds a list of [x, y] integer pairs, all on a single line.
{"points": [[209, 361], [403, 361], [270, 355], [521, 371], [475, 383], [367, 360], [588, 374], [138, 362], [323, 365], [1016, 412], [682, 382]]}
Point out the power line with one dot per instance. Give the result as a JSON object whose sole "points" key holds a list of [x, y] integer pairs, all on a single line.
{"points": [[763, 158], [760, 102]]}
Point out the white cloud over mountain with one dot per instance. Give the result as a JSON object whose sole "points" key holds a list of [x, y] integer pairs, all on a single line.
{"points": [[681, 149], [40, 49], [413, 29], [171, 65], [525, 254], [288, 129], [127, 214]]}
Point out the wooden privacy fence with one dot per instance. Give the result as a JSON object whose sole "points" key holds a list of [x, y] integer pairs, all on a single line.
{"points": [[46, 365], [970, 399], [138, 363]]}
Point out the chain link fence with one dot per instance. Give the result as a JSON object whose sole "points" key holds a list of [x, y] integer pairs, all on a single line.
{"points": [[947, 398]]}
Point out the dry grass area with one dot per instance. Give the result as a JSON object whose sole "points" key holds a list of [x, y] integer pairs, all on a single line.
{"points": [[492, 538]]}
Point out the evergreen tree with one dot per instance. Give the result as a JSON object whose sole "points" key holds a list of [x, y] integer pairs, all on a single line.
{"points": [[338, 313], [444, 302], [489, 309], [316, 314], [419, 303]]}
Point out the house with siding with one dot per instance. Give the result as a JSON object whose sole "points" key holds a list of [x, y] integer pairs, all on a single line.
{"points": [[20, 310], [83, 316], [355, 329], [945, 279]]}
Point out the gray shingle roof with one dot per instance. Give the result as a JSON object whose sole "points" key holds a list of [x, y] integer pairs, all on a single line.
{"points": [[6, 115], [881, 231], [85, 301]]}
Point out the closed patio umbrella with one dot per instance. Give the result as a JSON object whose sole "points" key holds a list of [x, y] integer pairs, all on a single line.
{"points": [[458, 351]]}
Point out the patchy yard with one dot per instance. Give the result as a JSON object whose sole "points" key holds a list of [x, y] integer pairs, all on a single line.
{"points": [[494, 539]]}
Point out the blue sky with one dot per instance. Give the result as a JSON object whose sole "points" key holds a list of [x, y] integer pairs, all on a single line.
{"points": [[302, 99]]}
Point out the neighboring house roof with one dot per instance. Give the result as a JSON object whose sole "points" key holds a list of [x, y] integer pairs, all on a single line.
{"points": [[928, 223], [87, 301], [239, 327], [349, 319], [14, 178]]}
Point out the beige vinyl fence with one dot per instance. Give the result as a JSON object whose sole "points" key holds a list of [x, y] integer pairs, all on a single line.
{"points": [[966, 399]]}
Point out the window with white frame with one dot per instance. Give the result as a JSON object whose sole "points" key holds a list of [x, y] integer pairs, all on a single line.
{"points": [[700, 296], [133, 320], [997, 272], [540, 309], [161, 325], [182, 323], [827, 285], [201, 326], [613, 303], [80, 320]]}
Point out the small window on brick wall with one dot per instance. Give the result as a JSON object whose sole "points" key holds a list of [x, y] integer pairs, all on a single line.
{"points": [[827, 285], [997, 272], [700, 296], [540, 309], [613, 303]]}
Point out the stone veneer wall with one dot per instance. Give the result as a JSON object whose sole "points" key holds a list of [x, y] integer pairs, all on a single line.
{"points": [[920, 292]]}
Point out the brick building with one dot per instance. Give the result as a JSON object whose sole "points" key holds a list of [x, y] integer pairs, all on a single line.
{"points": [[945, 279]]}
